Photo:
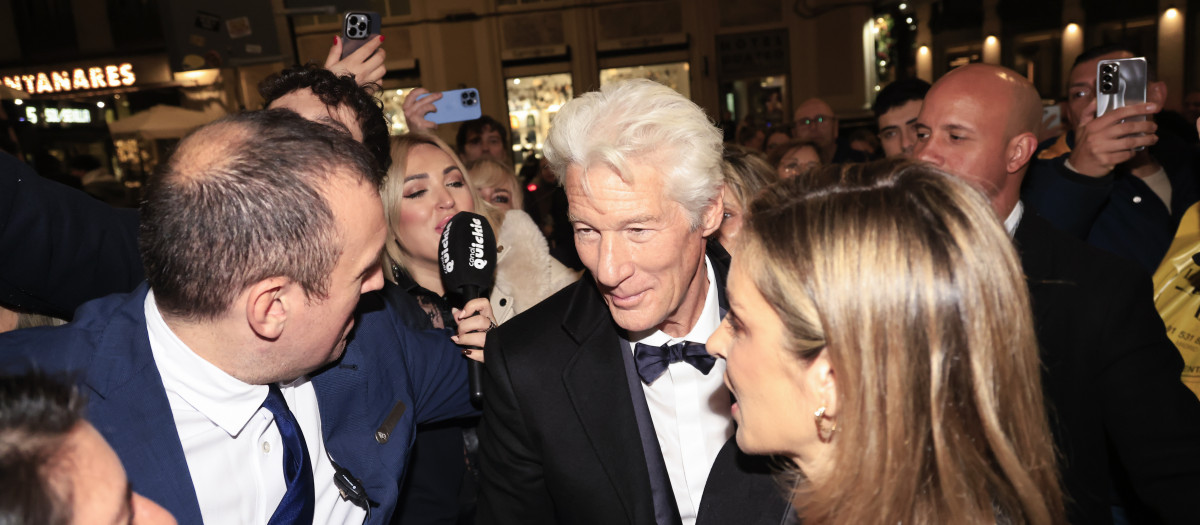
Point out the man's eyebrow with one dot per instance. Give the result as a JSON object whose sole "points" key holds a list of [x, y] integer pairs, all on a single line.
{"points": [[957, 127], [911, 121], [885, 128]]}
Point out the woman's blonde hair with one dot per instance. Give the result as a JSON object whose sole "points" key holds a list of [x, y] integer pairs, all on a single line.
{"points": [[486, 172], [904, 276], [746, 172], [392, 193]]}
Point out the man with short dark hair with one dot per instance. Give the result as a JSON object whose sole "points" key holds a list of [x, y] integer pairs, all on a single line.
{"points": [[1093, 183], [896, 108], [483, 137], [259, 237], [55, 469], [55, 274], [1105, 351], [320, 95]]}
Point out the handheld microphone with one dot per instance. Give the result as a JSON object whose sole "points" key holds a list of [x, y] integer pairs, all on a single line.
{"points": [[467, 261]]}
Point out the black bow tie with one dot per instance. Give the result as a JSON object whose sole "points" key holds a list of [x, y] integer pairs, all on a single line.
{"points": [[652, 361]]}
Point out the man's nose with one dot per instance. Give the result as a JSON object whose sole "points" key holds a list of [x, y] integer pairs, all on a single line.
{"points": [[614, 263], [924, 152]]}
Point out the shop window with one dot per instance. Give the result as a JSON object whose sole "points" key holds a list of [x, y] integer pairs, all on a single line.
{"points": [[532, 103], [754, 102], [673, 75]]}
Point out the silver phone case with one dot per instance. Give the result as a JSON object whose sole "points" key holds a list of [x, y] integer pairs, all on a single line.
{"points": [[1119, 83]]}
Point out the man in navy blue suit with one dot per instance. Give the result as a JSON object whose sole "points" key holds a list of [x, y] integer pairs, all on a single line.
{"points": [[246, 377]]}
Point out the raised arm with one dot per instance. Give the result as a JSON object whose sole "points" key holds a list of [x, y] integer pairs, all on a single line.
{"points": [[60, 247]]}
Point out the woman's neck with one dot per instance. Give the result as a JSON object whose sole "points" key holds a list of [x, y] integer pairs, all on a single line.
{"points": [[427, 275]]}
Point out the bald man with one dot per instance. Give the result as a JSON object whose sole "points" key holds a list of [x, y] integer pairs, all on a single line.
{"points": [[815, 122], [1111, 377]]}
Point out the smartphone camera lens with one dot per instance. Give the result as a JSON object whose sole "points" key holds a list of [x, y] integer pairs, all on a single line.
{"points": [[1106, 87]]}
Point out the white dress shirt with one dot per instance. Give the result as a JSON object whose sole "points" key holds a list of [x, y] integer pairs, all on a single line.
{"points": [[232, 446], [690, 410], [1014, 219]]}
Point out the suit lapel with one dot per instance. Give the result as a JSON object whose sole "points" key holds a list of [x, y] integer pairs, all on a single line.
{"points": [[595, 382], [130, 405]]}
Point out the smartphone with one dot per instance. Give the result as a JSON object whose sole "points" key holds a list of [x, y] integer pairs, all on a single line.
{"points": [[1120, 83], [455, 106], [356, 27]]}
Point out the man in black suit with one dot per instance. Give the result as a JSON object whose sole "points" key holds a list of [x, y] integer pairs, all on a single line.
{"points": [[1111, 376], [598, 408]]}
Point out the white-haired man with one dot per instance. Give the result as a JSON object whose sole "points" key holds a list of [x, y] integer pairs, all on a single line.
{"points": [[599, 409]]}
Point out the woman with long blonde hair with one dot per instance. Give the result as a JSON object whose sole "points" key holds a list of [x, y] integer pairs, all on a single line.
{"points": [[880, 338]]}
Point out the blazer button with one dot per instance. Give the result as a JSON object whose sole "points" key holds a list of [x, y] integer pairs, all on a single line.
{"points": [[503, 301], [381, 437], [1137, 199]]}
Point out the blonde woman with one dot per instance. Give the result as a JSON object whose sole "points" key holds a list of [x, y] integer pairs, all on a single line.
{"points": [[879, 336], [496, 183], [426, 186], [746, 173]]}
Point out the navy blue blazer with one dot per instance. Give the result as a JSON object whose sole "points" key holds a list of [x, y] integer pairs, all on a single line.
{"points": [[59, 247], [387, 367]]}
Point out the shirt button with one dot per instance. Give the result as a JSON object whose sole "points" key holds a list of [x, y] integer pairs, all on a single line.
{"points": [[1137, 199], [266, 447]]}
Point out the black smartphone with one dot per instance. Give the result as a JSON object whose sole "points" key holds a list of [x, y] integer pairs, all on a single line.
{"points": [[357, 26]]}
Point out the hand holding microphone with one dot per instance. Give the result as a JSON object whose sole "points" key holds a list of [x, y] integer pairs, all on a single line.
{"points": [[467, 261], [474, 321]]}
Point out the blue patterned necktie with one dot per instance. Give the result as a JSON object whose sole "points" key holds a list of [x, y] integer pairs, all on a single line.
{"points": [[298, 502], [652, 361]]}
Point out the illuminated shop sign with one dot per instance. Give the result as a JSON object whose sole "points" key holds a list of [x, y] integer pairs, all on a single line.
{"points": [[58, 115], [76, 79]]}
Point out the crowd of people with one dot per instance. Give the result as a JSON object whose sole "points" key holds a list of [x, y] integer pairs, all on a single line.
{"points": [[680, 330]]}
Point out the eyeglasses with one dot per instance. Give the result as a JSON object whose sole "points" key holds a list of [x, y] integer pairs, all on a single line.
{"points": [[812, 121]]}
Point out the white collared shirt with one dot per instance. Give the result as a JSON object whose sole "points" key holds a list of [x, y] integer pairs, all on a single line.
{"points": [[231, 444], [1014, 219], [690, 410]]}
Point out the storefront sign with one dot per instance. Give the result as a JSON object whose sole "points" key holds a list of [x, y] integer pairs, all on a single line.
{"points": [[76, 79], [59, 115]]}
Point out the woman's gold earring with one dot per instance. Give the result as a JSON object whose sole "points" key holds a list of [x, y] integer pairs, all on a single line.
{"points": [[824, 434]]}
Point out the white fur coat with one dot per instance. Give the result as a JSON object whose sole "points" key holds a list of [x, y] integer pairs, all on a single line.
{"points": [[525, 271]]}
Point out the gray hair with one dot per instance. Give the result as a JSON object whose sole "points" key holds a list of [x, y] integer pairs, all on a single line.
{"points": [[645, 122]]}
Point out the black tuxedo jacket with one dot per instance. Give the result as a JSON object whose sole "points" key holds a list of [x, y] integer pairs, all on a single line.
{"points": [[1111, 379], [559, 439]]}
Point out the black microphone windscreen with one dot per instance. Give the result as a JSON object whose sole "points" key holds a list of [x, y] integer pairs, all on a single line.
{"points": [[467, 255]]}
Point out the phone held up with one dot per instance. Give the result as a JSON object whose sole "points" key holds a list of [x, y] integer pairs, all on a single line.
{"points": [[455, 106], [1120, 83], [357, 26]]}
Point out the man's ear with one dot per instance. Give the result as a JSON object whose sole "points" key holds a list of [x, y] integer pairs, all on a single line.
{"points": [[710, 218], [1019, 152], [268, 303]]}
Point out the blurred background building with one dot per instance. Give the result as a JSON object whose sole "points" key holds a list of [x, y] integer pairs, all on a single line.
{"points": [[70, 68]]}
